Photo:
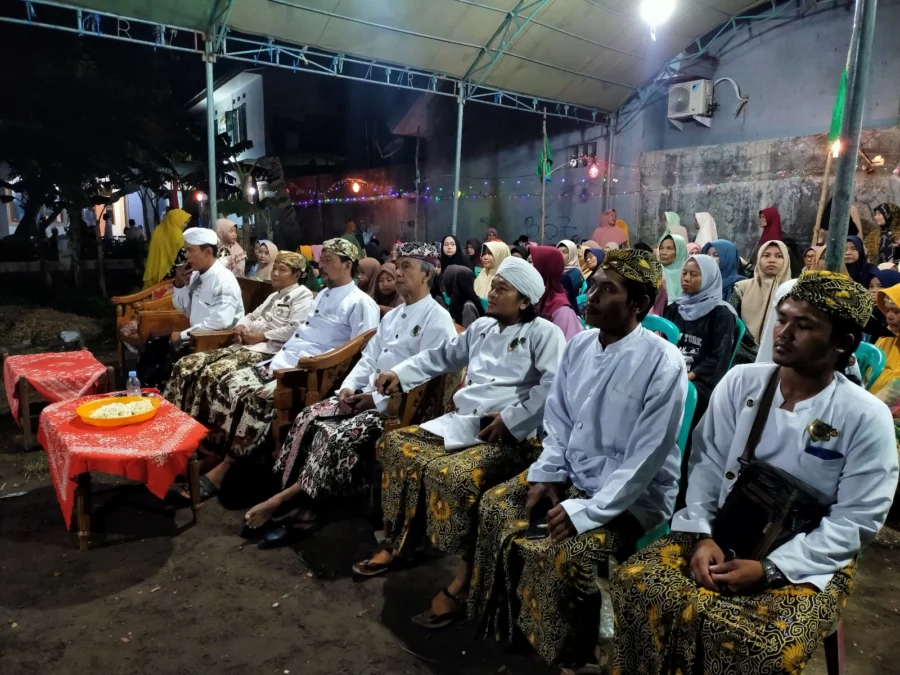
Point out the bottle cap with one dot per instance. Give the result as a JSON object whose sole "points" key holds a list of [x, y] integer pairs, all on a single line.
{"points": [[132, 373]]}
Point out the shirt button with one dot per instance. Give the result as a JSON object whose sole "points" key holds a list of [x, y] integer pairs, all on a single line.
{"points": [[396, 336], [403, 316], [750, 403], [469, 383], [729, 475], [579, 425], [307, 323], [378, 370], [317, 311], [385, 350], [475, 412]]}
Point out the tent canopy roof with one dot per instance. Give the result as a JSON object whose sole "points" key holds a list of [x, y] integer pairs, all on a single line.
{"points": [[589, 52]]}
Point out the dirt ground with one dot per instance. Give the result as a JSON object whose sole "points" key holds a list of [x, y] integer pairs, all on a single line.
{"points": [[157, 595]]}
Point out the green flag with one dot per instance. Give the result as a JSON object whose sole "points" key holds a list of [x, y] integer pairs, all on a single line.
{"points": [[837, 115], [545, 162]]}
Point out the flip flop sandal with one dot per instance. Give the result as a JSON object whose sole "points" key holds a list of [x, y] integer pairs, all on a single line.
{"points": [[438, 621], [367, 568]]}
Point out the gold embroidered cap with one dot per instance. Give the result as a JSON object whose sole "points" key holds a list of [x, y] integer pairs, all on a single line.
{"points": [[341, 247], [835, 294], [639, 266], [295, 261]]}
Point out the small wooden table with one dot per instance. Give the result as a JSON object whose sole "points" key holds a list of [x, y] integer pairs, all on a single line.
{"points": [[154, 453]]}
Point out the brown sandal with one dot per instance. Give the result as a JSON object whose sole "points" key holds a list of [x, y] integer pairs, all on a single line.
{"points": [[367, 569], [438, 621]]}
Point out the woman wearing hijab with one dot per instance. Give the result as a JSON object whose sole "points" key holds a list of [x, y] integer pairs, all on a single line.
{"points": [[880, 241], [265, 260], [707, 325], [554, 304], [706, 228], [166, 243], [492, 235], [385, 293], [452, 253], [672, 221], [230, 252], [770, 224], [694, 248], [583, 248], [473, 253], [726, 255], [572, 280], [753, 297], [889, 304], [592, 258], [858, 267], [458, 281], [367, 276], [607, 231], [519, 252], [881, 280], [672, 256], [811, 257], [492, 254]]}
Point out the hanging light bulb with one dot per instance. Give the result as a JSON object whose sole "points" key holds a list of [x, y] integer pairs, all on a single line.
{"points": [[656, 12], [355, 186], [594, 171]]}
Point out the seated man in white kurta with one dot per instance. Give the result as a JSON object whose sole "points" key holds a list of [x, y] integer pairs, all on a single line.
{"points": [[607, 473], [241, 407], [331, 444], [756, 594], [205, 292], [434, 474]]}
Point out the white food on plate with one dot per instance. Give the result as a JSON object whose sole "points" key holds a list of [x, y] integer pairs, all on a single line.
{"points": [[114, 410]]}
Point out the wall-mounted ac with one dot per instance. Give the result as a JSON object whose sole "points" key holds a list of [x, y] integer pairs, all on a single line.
{"points": [[691, 100]]}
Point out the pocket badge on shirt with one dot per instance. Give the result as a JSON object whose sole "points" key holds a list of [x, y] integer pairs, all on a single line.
{"points": [[416, 330], [516, 343], [820, 431]]}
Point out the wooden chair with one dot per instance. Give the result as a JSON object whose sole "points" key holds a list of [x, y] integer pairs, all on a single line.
{"points": [[834, 650], [314, 379], [253, 294], [29, 395], [127, 307]]}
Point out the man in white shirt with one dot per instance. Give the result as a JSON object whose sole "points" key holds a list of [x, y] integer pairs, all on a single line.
{"points": [[257, 336], [512, 357], [607, 473], [241, 408], [331, 444], [682, 604], [205, 292]]}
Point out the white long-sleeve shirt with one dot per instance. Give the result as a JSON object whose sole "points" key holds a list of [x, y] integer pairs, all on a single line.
{"points": [[509, 372], [337, 315], [611, 423], [211, 300], [403, 332], [278, 317], [857, 469]]}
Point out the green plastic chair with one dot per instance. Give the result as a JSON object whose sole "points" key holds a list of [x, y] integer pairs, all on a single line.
{"points": [[477, 271], [584, 287], [484, 304], [664, 326], [446, 299], [740, 329], [690, 405], [871, 362]]}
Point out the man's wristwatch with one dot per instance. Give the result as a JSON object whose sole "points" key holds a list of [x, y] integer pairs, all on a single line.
{"points": [[774, 577]]}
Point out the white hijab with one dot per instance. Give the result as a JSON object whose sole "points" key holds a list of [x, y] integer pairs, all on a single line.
{"points": [[707, 232]]}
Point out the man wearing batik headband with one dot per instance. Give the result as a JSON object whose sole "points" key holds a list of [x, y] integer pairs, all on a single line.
{"points": [[330, 448], [607, 472], [430, 491], [241, 410], [822, 430], [257, 336]]}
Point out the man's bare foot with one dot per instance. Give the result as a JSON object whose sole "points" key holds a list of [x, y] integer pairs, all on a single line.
{"points": [[385, 557], [442, 604], [262, 513]]}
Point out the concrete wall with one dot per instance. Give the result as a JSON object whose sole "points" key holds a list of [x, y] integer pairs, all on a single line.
{"points": [[790, 70]]}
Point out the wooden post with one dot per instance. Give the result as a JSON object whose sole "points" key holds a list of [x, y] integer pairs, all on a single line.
{"points": [[416, 221], [194, 476], [25, 413], [543, 177], [822, 199], [83, 510]]}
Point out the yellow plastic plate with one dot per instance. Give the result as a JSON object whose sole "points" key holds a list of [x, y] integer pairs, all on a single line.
{"points": [[85, 409]]}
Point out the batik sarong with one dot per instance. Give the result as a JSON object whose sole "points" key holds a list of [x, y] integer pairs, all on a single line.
{"points": [[545, 590], [430, 494], [667, 623], [241, 406], [327, 452]]}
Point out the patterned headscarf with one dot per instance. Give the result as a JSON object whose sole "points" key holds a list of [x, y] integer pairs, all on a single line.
{"points": [[639, 266], [835, 294], [295, 261], [420, 251], [341, 247]]}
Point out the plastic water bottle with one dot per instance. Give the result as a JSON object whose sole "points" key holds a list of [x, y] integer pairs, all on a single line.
{"points": [[133, 386]]}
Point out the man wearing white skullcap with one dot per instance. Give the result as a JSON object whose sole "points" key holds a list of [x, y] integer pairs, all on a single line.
{"points": [[511, 356], [206, 293]]}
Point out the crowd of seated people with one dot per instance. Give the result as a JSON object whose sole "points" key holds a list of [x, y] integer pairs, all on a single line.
{"points": [[555, 440]]}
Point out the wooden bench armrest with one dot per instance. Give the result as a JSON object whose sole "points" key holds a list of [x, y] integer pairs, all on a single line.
{"points": [[165, 321], [140, 295], [338, 355], [209, 340], [156, 305]]}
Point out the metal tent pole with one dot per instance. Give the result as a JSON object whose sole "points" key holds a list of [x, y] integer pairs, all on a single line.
{"points": [[860, 62], [459, 127], [209, 57], [610, 139]]}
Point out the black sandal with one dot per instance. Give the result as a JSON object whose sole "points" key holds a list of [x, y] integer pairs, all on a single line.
{"points": [[438, 621], [367, 569]]}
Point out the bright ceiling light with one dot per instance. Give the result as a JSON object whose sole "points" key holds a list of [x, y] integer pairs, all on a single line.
{"points": [[656, 12], [594, 171], [355, 187]]}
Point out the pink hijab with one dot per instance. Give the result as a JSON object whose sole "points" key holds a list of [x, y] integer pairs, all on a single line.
{"points": [[230, 255], [607, 232], [549, 264]]}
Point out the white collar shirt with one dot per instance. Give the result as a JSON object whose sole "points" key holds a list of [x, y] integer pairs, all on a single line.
{"points": [[509, 372], [611, 423], [403, 332], [212, 300], [337, 315], [857, 470], [278, 317]]}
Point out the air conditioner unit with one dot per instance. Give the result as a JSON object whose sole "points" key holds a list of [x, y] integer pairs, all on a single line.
{"points": [[690, 99]]}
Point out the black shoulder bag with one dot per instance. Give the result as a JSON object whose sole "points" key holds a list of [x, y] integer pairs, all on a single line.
{"points": [[767, 507]]}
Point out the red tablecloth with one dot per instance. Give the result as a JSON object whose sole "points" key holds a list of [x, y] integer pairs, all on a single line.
{"points": [[56, 376], [154, 452]]}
